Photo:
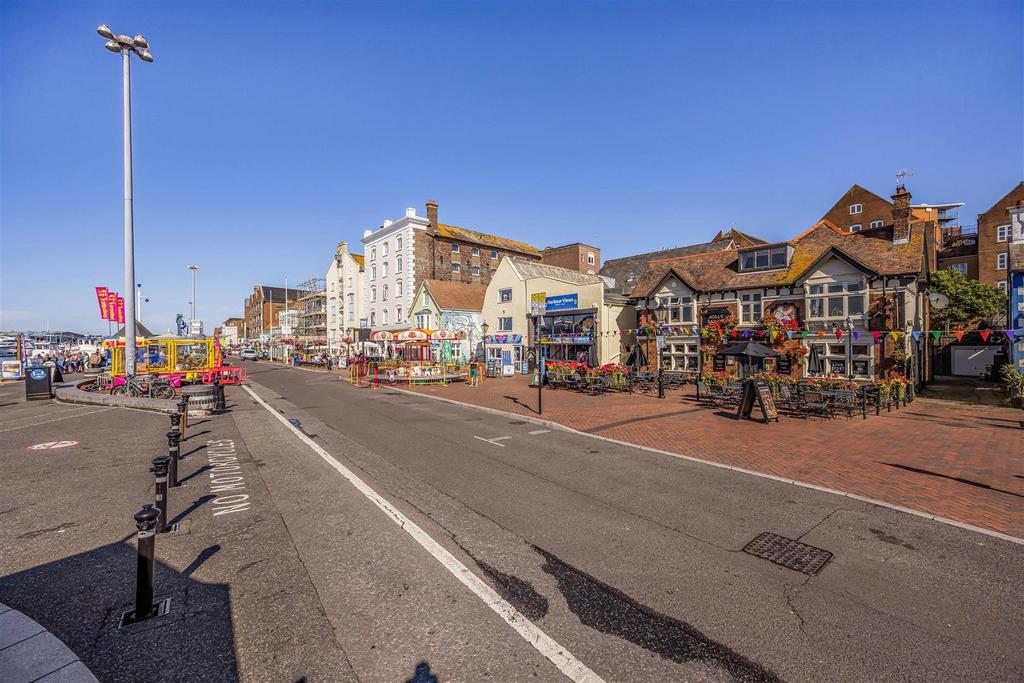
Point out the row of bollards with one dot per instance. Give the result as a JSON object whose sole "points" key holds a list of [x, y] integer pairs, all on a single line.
{"points": [[152, 520]]}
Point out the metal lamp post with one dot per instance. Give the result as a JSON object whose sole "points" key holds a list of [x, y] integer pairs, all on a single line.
{"points": [[483, 328], [849, 348], [194, 270], [126, 46]]}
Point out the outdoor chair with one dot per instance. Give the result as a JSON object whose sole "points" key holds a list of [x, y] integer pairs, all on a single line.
{"points": [[815, 403], [845, 401]]}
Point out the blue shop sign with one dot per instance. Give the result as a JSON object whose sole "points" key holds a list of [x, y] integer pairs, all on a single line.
{"points": [[565, 302]]}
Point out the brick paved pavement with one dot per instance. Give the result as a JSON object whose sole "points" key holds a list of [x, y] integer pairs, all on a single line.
{"points": [[961, 462]]}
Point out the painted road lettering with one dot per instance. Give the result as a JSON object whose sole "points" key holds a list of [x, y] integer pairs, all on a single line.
{"points": [[226, 480], [51, 445]]}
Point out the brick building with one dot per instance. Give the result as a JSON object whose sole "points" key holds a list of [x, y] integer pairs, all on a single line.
{"points": [[262, 309], [401, 254], [626, 271], [861, 209], [994, 227], [827, 280], [577, 256]]}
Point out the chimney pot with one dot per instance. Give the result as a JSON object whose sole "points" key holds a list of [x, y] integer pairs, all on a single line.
{"points": [[901, 216]]}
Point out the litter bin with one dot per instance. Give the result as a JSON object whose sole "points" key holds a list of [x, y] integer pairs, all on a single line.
{"points": [[38, 384]]}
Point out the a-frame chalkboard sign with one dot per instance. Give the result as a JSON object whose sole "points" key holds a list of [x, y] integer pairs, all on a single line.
{"points": [[762, 394]]}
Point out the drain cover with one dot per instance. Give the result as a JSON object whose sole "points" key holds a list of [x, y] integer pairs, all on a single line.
{"points": [[788, 553]]}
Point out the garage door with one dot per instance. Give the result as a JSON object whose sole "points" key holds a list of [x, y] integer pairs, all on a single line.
{"points": [[972, 361]]}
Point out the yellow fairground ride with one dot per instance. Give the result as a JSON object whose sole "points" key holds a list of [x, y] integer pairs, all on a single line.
{"points": [[189, 360]]}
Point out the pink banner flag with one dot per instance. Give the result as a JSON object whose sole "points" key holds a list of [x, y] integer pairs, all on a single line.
{"points": [[101, 297]]}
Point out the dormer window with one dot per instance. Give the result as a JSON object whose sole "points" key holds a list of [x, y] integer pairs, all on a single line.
{"points": [[763, 259]]}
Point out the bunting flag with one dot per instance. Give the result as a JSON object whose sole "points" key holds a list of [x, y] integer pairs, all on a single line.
{"points": [[772, 335], [937, 335], [895, 335], [821, 333], [959, 335], [856, 334], [1009, 334], [839, 335], [789, 334], [984, 334], [876, 334], [803, 334], [917, 335]]}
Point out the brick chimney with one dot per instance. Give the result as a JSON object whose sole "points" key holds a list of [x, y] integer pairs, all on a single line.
{"points": [[432, 214], [901, 216], [341, 251]]}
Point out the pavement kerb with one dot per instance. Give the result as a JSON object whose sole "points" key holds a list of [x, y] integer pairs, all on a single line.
{"points": [[76, 395], [880, 503], [30, 656]]}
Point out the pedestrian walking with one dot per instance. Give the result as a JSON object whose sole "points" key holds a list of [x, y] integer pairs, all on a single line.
{"points": [[474, 375]]}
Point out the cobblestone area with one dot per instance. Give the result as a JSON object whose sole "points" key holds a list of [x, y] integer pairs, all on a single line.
{"points": [[962, 462]]}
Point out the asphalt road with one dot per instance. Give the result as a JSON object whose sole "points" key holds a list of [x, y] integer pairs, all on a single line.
{"points": [[631, 561]]}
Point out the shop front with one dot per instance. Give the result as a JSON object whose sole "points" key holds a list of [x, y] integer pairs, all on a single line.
{"points": [[506, 354], [569, 336]]}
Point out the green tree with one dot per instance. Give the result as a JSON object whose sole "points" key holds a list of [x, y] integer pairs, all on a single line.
{"points": [[969, 300]]}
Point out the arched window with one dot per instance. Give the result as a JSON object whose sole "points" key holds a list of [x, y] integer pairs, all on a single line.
{"points": [[398, 244], [385, 293], [373, 318], [384, 317], [384, 269], [398, 288], [384, 251], [373, 293], [398, 314], [398, 265], [373, 272], [373, 254]]}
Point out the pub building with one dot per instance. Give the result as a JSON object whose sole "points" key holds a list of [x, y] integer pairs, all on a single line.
{"points": [[823, 281]]}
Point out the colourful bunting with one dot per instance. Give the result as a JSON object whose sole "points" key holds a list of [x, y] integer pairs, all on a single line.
{"points": [[856, 334], [821, 333], [917, 335], [789, 334], [1009, 334], [876, 334], [959, 335], [937, 335], [803, 334], [839, 335], [895, 335], [984, 334]]}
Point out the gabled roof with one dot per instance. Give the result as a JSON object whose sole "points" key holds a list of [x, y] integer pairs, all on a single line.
{"points": [[456, 296], [628, 269], [485, 239], [359, 259], [870, 250], [534, 269]]}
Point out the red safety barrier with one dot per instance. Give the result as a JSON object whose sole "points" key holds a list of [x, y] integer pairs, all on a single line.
{"points": [[226, 375]]}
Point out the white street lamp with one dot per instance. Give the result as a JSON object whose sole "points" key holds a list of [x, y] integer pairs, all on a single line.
{"points": [[126, 46], [194, 270]]}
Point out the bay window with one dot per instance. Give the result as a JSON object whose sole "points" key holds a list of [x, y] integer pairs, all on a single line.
{"points": [[835, 300]]}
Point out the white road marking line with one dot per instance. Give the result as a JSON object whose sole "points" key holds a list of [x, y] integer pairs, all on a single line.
{"points": [[573, 668], [57, 419], [539, 431], [500, 438], [488, 441]]}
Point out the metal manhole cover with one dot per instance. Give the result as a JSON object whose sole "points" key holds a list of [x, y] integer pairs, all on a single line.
{"points": [[788, 553]]}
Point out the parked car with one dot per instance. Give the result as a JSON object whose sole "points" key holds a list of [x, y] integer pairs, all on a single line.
{"points": [[248, 354]]}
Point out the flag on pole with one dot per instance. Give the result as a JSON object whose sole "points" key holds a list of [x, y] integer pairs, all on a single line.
{"points": [[120, 309], [101, 297]]}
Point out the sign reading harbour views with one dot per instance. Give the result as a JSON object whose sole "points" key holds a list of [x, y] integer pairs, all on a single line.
{"points": [[564, 302]]}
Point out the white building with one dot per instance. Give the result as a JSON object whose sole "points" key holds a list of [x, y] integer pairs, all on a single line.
{"points": [[345, 312], [389, 274]]}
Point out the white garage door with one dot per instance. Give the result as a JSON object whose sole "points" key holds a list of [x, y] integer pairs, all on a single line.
{"points": [[971, 361]]}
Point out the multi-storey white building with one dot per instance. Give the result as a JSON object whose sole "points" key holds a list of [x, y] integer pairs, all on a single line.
{"points": [[389, 271], [344, 290]]}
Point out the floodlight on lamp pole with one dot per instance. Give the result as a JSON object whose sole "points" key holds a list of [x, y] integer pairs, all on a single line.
{"points": [[126, 45]]}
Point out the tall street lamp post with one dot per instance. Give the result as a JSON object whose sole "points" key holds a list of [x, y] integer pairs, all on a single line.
{"points": [[140, 47], [849, 348], [194, 270]]}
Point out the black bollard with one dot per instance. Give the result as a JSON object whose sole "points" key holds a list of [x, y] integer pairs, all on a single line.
{"points": [[661, 379], [182, 415], [160, 470], [173, 452], [176, 422], [864, 402], [145, 520], [218, 389]]}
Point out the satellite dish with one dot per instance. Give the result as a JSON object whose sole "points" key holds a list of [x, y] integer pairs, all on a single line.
{"points": [[938, 300]]}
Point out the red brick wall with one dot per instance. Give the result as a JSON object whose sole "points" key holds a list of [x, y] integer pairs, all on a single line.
{"points": [[875, 209], [434, 257], [988, 247], [573, 257]]}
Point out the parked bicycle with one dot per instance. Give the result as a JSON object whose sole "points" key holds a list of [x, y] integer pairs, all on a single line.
{"points": [[143, 386]]}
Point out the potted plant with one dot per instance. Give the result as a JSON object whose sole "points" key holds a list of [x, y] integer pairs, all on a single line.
{"points": [[1013, 379]]}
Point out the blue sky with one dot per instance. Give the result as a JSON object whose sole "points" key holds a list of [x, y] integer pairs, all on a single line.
{"points": [[265, 132]]}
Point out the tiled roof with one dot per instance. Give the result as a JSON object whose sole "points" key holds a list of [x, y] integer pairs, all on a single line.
{"points": [[1017, 256], [628, 269], [465, 235], [456, 296], [534, 269], [359, 259], [871, 249]]}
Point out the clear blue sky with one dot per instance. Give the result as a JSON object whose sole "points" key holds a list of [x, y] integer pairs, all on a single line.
{"points": [[265, 132]]}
